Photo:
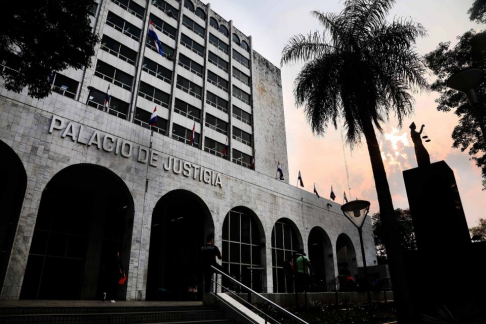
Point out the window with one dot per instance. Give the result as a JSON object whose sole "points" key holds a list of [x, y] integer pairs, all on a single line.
{"points": [[241, 136], [142, 118], [93, 9], [284, 245], [187, 110], [157, 70], [190, 65], [200, 13], [189, 23], [153, 94], [242, 159], [123, 27], [192, 45], [241, 76], [216, 101], [218, 81], [189, 5], [131, 7], [168, 51], [164, 27], [241, 115], [245, 46], [241, 248], [223, 30], [215, 148], [112, 75], [213, 23], [167, 8], [113, 47], [117, 107], [65, 86], [216, 124], [184, 135], [241, 59], [218, 61], [189, 87], [242, 95], [218, 43], [236, 39]]}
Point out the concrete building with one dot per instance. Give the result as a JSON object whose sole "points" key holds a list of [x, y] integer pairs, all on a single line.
{"points": [[81, 180]]}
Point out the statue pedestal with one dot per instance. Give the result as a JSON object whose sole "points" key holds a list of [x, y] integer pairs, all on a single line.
{"points": [[435, 205]]}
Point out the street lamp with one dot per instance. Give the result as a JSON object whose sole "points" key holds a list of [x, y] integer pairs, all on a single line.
{"points": [[356, 211], [466, 81]]}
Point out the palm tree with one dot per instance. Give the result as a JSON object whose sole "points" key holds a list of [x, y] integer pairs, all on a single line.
{"points": [[360, 68]]}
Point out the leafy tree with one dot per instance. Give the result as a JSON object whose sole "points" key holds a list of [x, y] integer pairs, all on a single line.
{"points": [[477, 12], [480, 229], [38, 38], [444, 61], [360, 69], [406, 233]]}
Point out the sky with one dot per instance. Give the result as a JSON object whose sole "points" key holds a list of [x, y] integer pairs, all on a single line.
{"points": [[321, 160]]}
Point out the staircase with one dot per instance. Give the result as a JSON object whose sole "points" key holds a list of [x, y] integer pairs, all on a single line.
{"points": [[111, 314]]}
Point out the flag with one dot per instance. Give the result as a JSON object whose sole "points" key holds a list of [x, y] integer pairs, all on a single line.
{"points": [[153, 118], [315, 191], [345, 198], [333, 196], [153, 34], [192, 135], [300, 179], [107, 97], [279, 170], [225, 147]]}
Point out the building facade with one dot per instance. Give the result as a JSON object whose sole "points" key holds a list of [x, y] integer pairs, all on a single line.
{"points": [[84, 180]]}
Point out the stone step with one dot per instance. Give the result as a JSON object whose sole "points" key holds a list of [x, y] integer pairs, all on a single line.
{"points": [[197, 316]]}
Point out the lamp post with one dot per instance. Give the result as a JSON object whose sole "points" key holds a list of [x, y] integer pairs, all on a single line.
{"points": [[356, 211], [466, 81]]}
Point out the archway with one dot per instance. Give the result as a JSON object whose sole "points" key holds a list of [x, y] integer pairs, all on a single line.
{"points": [[346, 256], [180, 223], [13, 182], [244, 248], [286, 241], [321, 257], [85, 217]]}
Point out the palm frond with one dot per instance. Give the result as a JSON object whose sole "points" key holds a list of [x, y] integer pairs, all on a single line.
{"points": [[305, 48]]}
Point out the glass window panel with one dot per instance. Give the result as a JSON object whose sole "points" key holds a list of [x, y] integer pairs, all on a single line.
{"points": [[279, 235], [76, 247], [245, 228], [167, 50], [235, 227], [110, 43], [213, 57], [224, 30], [170, 30], [287, 238], [234, 252], [281, 280], [119, 105], [235, 271], [236, 39], [185, 60], [188, 4], [200, 13], [105, 69], [115, 19], [162, 96], [213, 23], [256, 255], [179, 130], [225, 251], [147, 89], [149, 64], [245, 46], [274, 276], [197, 89], [162, 71], [128, 53], [39, 242], [255, 233], [198, 47], [138, 9], [194, 111], [280, 258], [143, 115], [245, 253], [57, 244], [124, 78], [196, 67], [212, 76]]}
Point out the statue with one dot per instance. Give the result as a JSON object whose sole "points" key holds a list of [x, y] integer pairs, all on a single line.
{"points": [[423, 158]]}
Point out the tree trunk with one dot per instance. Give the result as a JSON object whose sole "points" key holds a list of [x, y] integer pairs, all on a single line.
{"points": [[399, 281]]}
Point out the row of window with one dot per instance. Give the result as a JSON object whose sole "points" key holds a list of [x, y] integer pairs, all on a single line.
{"points": [[167, 8], [132, 7]]}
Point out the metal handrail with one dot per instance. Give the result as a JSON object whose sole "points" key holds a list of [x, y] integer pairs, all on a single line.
{"points": [[286, 312]]}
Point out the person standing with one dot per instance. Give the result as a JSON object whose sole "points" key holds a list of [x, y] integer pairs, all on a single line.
{"points": [[303, 271], [113, 271], [209, 253], [289, 273]]}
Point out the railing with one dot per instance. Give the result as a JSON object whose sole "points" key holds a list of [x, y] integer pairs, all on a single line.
{"points": [[247, 65], [217, 84], [63, 92], [113, 80], [214, 152], [163, 31], [187, 114], [148, 126], [217, 106], [242, 119], [240, 162], [115, 53], [189, 91], [241, 140], [184, 140], [220, 47], [151, 98], [191, 48], [128, 9], [158, 75], [217, 64], [216, 128], [123, 31], [248, 304], [190, 69], [96, 105], [116, 113], [241, 98], [193, 29], [241, 80], [108, 110]]}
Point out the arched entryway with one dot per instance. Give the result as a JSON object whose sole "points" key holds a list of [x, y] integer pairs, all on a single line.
{"points": [[180, 223], [321, 257], [286, 241], [346, 256], [244, 248], [85, 217], [13, 182]]}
